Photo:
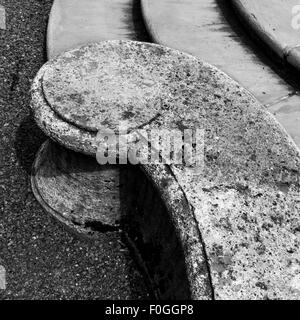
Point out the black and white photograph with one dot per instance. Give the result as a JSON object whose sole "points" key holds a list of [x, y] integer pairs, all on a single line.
{"points": [[149, 153]]}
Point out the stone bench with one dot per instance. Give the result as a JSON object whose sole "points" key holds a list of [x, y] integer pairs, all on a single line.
{"points": [[276, 23], [228, 231]]}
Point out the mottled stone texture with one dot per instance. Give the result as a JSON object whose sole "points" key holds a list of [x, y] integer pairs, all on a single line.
{"points": [[246, 199], [77, 190]]}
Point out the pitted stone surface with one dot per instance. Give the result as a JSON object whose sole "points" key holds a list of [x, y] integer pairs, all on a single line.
{"points": [[53, 126], [61, 107], [246, 199], [91, 86]]}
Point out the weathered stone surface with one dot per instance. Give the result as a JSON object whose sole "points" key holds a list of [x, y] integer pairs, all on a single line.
{"points": [[91, 86], [245, 201], [73, 23], [161, 223], [76, 190], [186, 227], [53, 126]]}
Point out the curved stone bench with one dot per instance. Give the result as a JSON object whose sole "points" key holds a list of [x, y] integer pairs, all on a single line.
{"points": [[209, 29], [73, 23], [272, 21], [229, 231]]}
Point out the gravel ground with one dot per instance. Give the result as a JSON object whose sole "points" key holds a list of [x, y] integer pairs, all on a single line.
{"points": [[42, 260]]}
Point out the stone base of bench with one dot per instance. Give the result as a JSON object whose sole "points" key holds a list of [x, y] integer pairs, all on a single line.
{"points": [[76, 190], [88, 199]]}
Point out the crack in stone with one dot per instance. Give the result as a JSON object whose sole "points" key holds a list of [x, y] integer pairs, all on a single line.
{"points": [[149, 122], [238, 187]]}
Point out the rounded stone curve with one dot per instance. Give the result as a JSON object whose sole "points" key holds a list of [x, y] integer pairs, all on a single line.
{"points": [[276, 23]]}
